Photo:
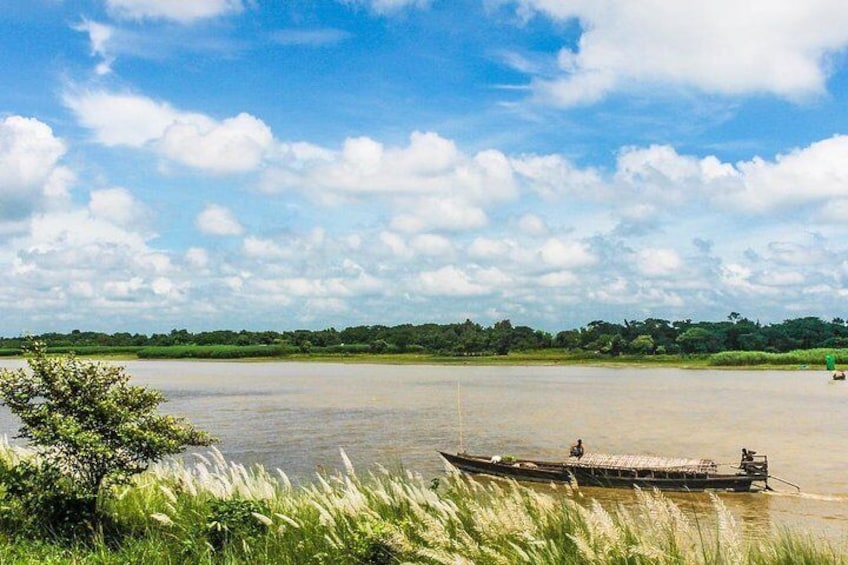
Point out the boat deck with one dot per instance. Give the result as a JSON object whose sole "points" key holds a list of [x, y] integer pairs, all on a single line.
{"points": [[645, 462]]}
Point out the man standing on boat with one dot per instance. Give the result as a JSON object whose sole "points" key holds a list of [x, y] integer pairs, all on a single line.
{"points": [[577, 449]]}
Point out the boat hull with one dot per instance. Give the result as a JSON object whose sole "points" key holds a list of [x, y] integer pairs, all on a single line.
{"points": [[563, 472]]}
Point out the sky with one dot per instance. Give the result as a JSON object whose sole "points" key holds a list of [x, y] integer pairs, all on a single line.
{"points": [[275, 165]]}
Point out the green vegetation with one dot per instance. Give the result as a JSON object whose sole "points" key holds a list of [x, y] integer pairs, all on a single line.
{"points": [[89, 430], [215, 351], [214, 511], [736, 341], [810, 357]]}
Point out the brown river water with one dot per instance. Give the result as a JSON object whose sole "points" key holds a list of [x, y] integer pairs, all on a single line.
{"points": [[297, 416]]}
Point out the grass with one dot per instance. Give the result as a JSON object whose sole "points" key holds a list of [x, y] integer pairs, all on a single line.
{"points": [[811, 358], [215, 511], [808, 357]]}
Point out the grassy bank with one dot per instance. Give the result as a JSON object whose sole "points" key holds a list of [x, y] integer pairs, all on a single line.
{"points": [[214, 511], [804, 359]]}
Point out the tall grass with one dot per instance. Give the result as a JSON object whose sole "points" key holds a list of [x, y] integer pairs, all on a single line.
{"points": [[215, 351], [809, 357], [210, 510]]}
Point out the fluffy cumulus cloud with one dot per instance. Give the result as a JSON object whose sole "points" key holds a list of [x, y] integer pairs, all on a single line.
{"points": [[429, 165], [29, 166], [184, 11], [122, 119], [429, 183], [812, 176], [218, 220], [71, 263], [553, 176], [658, 262], [403, 228], [232, 145], [566, 254], [119, 206], [778, 46], [449, 281]]}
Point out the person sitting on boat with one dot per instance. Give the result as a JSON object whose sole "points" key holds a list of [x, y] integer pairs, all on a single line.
{"points": [[577, 449], [748, 465]]}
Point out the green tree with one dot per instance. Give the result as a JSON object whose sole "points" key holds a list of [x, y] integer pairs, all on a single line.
{"points": [[642, 344], [88, 423], [699, 340], [379, 346]]}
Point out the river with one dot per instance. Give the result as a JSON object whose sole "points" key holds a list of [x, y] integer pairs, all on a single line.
{"points": [[297, 416]]}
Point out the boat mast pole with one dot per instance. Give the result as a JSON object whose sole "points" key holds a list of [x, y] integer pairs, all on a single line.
{"points": [[459, 415]]}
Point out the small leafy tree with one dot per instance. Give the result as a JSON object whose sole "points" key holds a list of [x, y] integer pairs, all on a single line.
{"points": [[88, 423]]}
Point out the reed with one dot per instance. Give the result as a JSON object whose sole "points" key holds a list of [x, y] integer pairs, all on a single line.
{"points": [[205, 509], [215, 351], [808, 357]]}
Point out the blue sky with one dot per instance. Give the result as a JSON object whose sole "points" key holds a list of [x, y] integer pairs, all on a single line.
{"points": [[303, 164]]}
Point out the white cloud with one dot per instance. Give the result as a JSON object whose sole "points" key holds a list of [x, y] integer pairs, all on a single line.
{"points": [[554, 176], [122, 119], [119, 206], [779, 46], [29, 156], [79, 231], [237, 144], [805, 176], [431, 244], [233, 145], [532, 225], [835, 211], [184, 11], [99, 36], [395, 244], [812, 174], [197, 257], [489, 248], [566, 254], [328, 287], [385, 7], [218, 220], [449, 281], [264, 248], [785, 278], [658, 262], [430, 165], [439, 214], [558, 279]]}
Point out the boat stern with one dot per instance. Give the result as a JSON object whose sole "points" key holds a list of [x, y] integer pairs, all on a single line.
{"points": [[754, 466]]}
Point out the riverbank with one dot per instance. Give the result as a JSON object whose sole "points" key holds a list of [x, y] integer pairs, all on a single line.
{"points": [[811, 359], [214, 511]]}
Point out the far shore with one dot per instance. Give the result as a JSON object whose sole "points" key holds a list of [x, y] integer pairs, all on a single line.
{"points": [[519, 358]]}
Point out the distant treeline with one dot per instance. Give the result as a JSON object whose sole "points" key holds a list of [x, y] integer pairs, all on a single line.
{"points": [[652, 336]]}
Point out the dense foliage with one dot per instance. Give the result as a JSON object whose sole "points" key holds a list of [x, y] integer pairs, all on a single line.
{"points": [[90, 430], [647, 337]]}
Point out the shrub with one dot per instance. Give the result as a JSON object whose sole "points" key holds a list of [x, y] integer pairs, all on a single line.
{"points": [[236, 518], [91, 429], [39, 498]]}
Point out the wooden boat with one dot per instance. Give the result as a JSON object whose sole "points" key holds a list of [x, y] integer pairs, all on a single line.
{"points": [[622, 471]]}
